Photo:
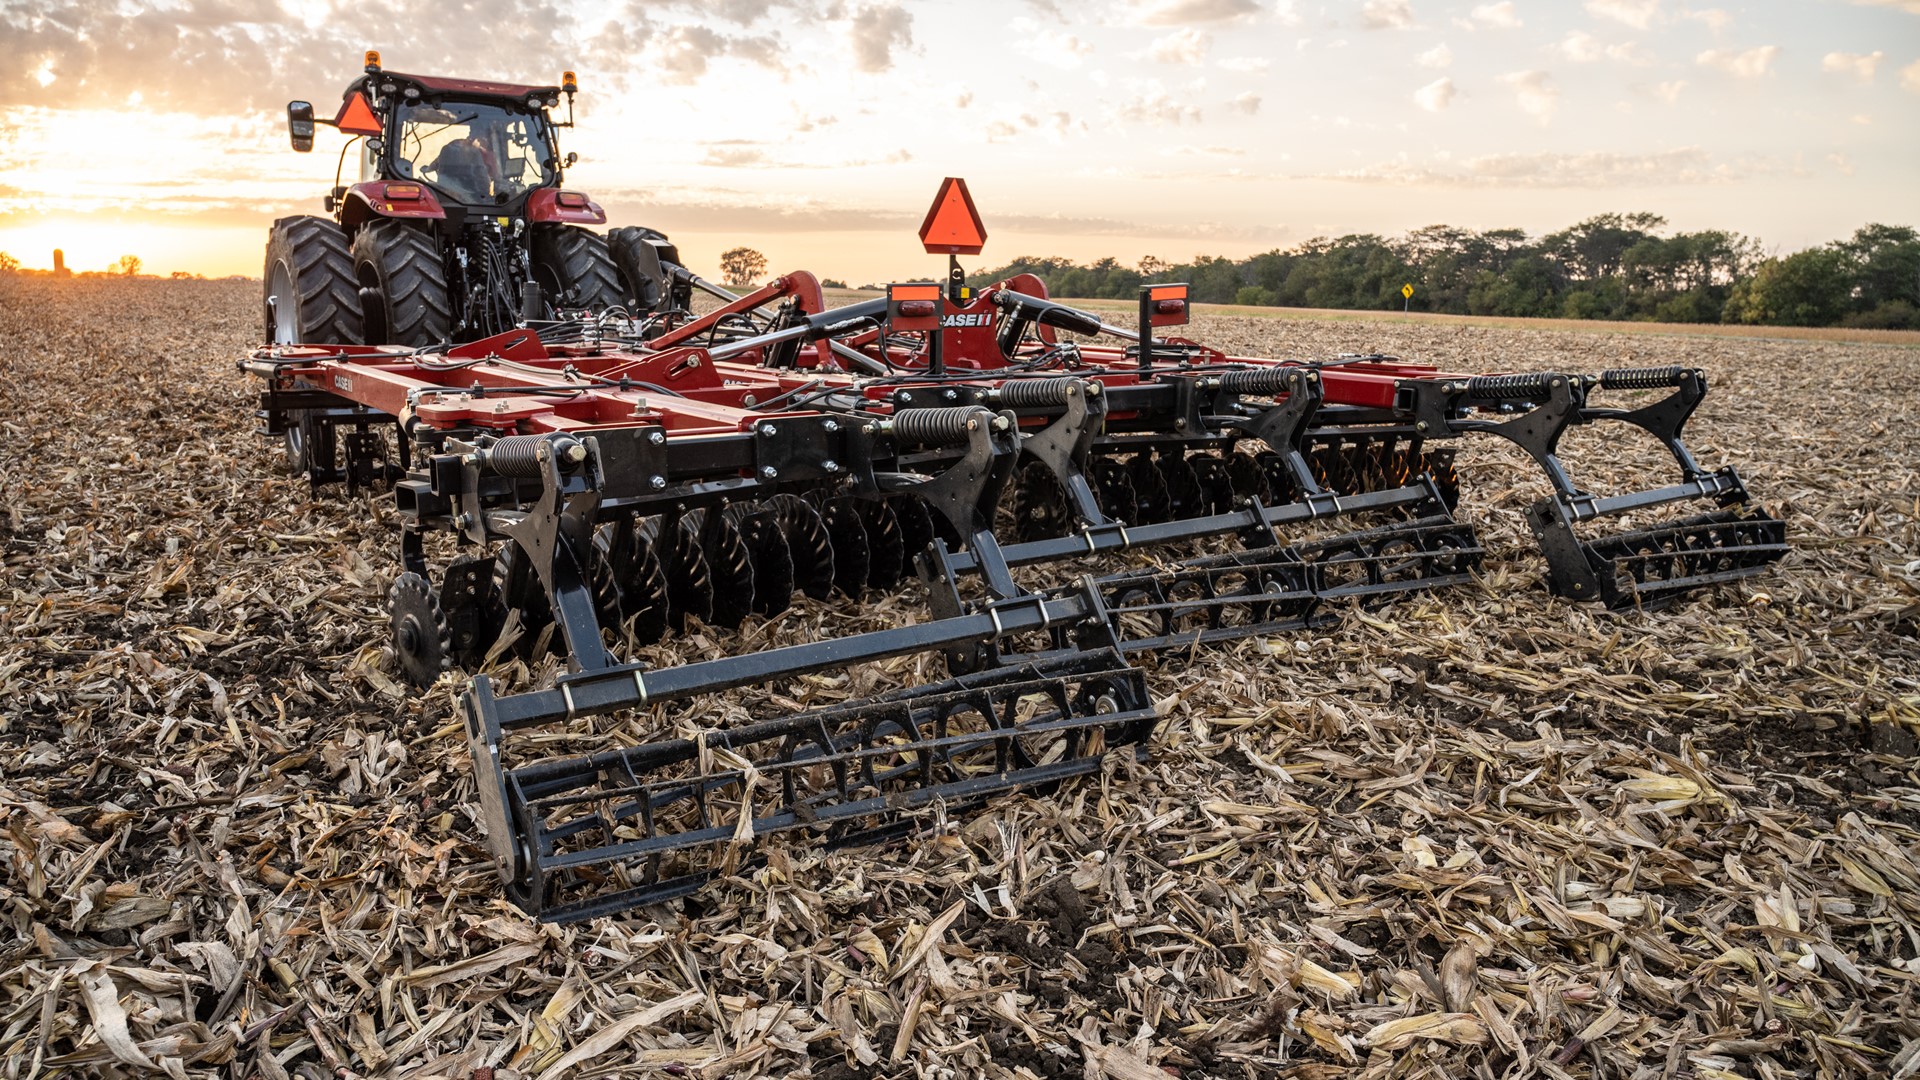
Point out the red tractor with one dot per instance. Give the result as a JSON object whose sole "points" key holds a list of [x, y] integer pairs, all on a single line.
{"points": [[458, 227]]}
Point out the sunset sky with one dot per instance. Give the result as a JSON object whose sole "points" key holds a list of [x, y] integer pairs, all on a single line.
{"points": [[817, 132]]}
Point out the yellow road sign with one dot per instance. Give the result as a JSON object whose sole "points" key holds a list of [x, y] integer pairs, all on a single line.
{"points": [[1406, 291]]}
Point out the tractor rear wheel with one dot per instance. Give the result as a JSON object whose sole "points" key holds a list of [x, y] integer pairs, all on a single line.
{"points": [[310, 295], [574, 270], [641, 256], [403, 284]]}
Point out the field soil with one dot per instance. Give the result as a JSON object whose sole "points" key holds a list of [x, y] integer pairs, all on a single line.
{"points": [[1476, 833]]}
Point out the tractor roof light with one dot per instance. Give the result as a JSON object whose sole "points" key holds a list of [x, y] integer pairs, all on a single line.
{"points": [[568, 82], [533, 101], [373, 60]]}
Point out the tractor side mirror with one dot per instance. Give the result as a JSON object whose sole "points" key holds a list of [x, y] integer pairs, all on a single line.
{"points": [[571, 158], [300, 124]]}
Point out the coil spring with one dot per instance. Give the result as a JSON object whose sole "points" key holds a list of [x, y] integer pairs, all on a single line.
{"points": [[1642, 378], [938, 427], [1271, 380], [1031, 393], [519, 455], [1509, 387]]}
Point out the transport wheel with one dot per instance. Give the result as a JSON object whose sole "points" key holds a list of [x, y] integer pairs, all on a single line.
{"points": [[574, 270], [296, 440], [403, 285], [422, 641], [642, 257], [309, 293]]}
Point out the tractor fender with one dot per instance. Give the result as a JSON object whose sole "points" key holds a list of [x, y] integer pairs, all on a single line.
{"points": [[368, 200], [571, 207]]}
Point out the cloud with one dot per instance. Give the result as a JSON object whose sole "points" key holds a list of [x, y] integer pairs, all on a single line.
{"points": [[1183, 12], [1055, 48], [1435, 96], [1666, 168], [1583, 48], [1204, 151], [1747, 64], [1248, 103], [1714, 19], [1535, 93], [1499, 15], [1910, 77], [1859, 65], [1187, 46], [1669, 92], [1387, 14], [1638, 14], [1911, 7], [735, 157], [216, 57], [1247, 65], [681, 53], [1157, 108], [1437, 57], [1841, 162], [875, 32]]}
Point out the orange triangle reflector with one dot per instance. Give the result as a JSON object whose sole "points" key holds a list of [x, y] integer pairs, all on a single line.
{"points": [[953, 225], [356, 116]]}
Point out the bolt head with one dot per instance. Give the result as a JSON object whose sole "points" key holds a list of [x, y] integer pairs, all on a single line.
{"points": [[830, 465], [905, 397], [1420, 426], [769, 472], [831, 425], [576, 453], [658, 482], [767, 430], [657, 438]]}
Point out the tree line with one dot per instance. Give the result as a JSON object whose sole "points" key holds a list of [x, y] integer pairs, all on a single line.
{"points": [[1612, 266]]}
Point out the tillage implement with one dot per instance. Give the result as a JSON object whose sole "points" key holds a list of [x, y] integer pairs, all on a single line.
{"points": [[1070, 493]]}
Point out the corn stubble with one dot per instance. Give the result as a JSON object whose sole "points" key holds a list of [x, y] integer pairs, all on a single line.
{"points": [[1475, 833]]}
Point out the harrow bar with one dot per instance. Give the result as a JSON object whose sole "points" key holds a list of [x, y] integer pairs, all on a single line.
{"points": [[1244, 594], [1651, 568], [851, 771]]}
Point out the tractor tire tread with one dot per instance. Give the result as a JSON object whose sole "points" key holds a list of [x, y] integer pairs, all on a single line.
{"points": [[321, 268], [412, 273], [578, 258]]}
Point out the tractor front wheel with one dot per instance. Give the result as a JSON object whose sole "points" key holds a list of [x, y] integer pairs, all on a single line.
{"points": [[640, 255], [403, 284], [574, 270], [310, 294]]}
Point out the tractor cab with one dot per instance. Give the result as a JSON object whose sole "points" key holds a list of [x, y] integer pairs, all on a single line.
{"points": [[473, 153], [480, 145]]}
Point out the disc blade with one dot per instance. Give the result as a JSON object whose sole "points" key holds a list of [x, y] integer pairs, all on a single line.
{"points": [[888, 557], [727, 561], [807, 544], [767, 553]]}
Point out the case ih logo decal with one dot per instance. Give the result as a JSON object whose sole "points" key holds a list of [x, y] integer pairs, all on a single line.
{"points": [[343, 382], [948, 322]]}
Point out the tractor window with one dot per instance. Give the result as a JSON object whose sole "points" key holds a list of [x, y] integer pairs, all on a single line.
{"points": [[477, 154]]}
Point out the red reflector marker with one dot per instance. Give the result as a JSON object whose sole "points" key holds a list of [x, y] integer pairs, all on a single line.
{"points": [[571, 198], [1169, 307], [403, 191], [917, 309]]}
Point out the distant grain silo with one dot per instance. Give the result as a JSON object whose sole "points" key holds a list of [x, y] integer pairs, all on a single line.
{"points": [[59, 263]]}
